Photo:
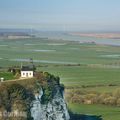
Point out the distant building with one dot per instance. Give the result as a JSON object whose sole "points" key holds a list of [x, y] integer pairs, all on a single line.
{"points": [[27, 71]]}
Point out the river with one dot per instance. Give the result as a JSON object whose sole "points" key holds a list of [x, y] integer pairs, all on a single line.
{"points": [[65, 36]]}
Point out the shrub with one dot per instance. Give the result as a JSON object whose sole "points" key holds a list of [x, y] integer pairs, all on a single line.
{"points": [[110, 101], [118, 102], [47, 96], [116, 94]]}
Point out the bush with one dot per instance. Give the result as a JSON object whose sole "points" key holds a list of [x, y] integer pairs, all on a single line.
{"points": [[118, 102], [116, 94], [110, 101], [79, 96], [47, 96]]}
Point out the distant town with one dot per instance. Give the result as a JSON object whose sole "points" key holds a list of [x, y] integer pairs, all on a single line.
{"points": [[15, 34]]}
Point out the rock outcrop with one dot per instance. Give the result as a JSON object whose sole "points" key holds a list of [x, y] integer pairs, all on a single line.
{"points": [[56, 109], [37, 99]]}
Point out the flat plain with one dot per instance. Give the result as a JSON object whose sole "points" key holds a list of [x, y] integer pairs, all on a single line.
{"points": [[85, 66]]}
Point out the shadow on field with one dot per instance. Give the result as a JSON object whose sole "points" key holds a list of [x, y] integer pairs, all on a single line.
{"points": [[74, 116]]}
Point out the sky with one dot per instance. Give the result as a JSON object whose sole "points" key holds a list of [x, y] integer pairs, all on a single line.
{"points": [[61, 15]]}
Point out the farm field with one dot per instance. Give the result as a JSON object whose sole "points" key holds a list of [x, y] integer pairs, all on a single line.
{"points": [[107, 112], [85, 66], [57, 52], [86, 76]]}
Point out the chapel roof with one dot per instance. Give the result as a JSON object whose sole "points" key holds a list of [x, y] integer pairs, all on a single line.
{"points": [[27, 68]]}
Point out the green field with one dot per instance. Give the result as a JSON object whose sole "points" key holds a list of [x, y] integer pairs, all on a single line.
{"points": [[77, 65], [84, 75], [6, 75], [57, 52], [107, 112]]}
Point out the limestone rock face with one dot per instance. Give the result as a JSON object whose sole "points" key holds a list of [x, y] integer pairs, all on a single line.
{"points": [[56, 109]]}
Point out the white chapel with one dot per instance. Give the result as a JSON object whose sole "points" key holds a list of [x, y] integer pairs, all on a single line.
{"points": [[27, 72]]}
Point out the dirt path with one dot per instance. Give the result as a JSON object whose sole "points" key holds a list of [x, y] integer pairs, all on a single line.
{"points": [[20, 79]]}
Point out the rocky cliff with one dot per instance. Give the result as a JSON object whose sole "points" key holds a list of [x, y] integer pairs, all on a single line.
{"points": [[37, 99], [49, 103], [55, 109]]}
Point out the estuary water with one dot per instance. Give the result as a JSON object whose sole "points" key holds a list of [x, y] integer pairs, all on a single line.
{"points": [[65, 36]]}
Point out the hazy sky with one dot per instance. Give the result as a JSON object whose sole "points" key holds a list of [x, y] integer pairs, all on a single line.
{"points": [[83, 15]]}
